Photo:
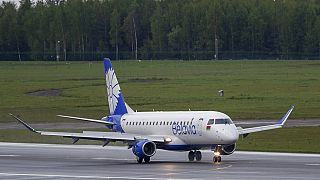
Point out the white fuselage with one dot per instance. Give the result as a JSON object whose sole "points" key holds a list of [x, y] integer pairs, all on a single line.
{"points": [[183, 128]]}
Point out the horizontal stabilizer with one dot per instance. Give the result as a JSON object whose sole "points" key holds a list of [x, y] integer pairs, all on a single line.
{"points": [[87, 119]]}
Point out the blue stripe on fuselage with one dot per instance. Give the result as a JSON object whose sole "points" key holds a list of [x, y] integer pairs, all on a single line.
{"points": [[184, 147]]}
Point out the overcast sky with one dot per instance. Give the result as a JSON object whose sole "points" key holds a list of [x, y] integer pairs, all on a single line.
{"points": [[16, 1]]}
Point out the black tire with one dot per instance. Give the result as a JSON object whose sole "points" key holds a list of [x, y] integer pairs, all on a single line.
{"points": [[191, 156], [198, 155], [215, 159], [146, 159], [139, 160], [219, 158]]}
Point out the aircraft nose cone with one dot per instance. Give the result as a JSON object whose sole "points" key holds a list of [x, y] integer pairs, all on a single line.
{"points": [[231, 137]]}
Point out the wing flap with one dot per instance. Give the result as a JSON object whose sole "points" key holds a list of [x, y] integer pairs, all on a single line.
{"points": [[94, 136], [258, 129], [114, 136]]}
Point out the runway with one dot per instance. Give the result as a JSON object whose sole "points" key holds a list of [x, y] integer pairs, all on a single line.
{"points": [[44, 161]]}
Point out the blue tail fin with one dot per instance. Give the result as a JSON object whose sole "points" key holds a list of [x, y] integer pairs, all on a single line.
{"points": [[116, 101]]}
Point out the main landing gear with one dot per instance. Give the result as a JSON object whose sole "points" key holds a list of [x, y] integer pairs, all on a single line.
{"points": [[195, 155], [140, 160]]}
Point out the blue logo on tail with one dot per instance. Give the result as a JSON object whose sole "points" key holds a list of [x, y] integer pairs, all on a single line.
{"points": [[116, 101]]}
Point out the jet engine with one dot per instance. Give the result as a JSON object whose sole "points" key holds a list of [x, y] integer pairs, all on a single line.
{"points": [[227, 149], [144, 148]]}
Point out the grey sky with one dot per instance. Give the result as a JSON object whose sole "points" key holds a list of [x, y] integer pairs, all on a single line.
{"points": [[16, 1]]}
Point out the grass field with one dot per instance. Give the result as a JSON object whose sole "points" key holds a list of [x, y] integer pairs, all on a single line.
{"points": [[253, 90]]}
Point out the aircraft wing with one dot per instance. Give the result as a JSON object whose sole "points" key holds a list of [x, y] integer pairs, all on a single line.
{"points": [[247, 131], [94, 135]]}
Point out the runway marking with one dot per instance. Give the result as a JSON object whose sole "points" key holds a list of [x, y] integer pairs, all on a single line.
{"points": [[222, 168], [72, 176], [277, 154], [312, 164], [197, 171], [8, 155], [115, 159]]}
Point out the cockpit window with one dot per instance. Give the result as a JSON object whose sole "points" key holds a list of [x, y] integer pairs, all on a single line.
{"points": [[223, 121], [210, 122]]}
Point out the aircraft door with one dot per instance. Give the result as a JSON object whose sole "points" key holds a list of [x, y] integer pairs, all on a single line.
{"points": [[199, 126]]}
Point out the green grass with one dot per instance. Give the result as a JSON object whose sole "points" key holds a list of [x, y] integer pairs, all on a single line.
{"points": [[253, 89], [293, 139]]}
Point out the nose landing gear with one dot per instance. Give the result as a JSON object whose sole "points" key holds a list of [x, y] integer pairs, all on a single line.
{"points": [[216, 159], [217, 154]]}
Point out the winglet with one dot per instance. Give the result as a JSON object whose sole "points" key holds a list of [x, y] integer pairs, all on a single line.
{"points": [[285, 117], [23, 123]]}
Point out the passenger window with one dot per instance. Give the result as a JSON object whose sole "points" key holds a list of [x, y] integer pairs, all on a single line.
{"points": [[160, 123], [157, 123], [170, 123], [127, 123], [187, 123], [139, 123], [153, 123], [143, 124]]}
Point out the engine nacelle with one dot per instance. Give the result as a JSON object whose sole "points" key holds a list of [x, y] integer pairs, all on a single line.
{"points": [[228, 149], [144, 148]]}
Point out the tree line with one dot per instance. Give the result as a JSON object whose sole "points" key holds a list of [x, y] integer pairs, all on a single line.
{"points": [[159, 29]]}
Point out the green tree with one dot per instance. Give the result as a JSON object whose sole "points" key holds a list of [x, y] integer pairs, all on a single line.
{"points": [[114, 32]]}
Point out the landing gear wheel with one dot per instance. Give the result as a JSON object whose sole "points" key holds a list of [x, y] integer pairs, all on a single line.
{"points": [[191, 156], [139, 160], [219, 158], [147, 159], [216, 159], [198, 155]]}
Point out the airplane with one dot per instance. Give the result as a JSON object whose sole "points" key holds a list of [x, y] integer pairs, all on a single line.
{"points": [[145, 132]]}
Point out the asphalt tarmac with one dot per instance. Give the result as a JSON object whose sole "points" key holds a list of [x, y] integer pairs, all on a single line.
{"points": [[43, 161]]}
